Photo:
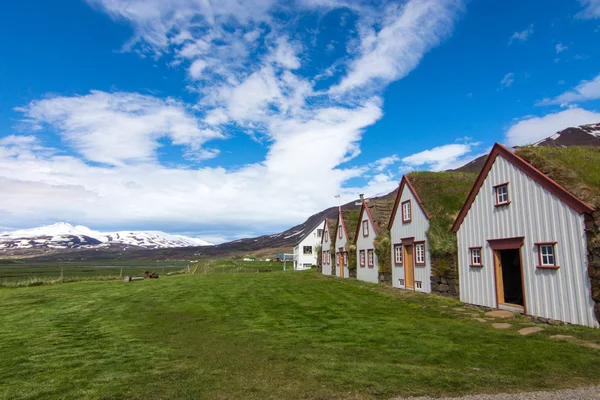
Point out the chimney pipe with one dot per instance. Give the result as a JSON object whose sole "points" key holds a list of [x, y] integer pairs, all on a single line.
{"points": [[362, 196]]}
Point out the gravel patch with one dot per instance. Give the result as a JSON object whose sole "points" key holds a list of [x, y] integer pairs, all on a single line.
{"points": [[588, 393]]}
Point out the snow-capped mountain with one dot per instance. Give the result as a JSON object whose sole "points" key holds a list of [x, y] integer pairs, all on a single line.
{"points": [[66, 236]]}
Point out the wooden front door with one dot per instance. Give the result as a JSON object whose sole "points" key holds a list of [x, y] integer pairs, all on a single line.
{"points": [[509, 279], [341, 264], [409, 268]]}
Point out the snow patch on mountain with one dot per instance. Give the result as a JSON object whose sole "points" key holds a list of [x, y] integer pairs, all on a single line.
{"points": [[63, 235]]}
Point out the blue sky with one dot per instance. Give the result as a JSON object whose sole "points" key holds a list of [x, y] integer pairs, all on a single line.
{"points": [[224, 119]]}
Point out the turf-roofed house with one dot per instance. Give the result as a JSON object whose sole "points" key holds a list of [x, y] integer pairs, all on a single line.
{"points": [[423, 247], [366, 232], [327, 261], [528, 234], [345, 250]]}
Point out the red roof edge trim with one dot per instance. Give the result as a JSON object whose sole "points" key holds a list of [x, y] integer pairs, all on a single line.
{"points": [[557, 190]]}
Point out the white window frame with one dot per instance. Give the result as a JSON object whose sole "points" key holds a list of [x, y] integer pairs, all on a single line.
{"points": [[397, 253], [406, 211], [418, 284], [365, 228], [544, 255], [371, 257], [362, 258], [420, 254], [502, 192], [473, 256]]}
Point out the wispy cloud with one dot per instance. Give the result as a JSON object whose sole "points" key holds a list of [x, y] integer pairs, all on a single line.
{"points": [[585, 91], [560, 48], [521, 36], [533, 129], [449, 156], [508, 80], [591, 9]]}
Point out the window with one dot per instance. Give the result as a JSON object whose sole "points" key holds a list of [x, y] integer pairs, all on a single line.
{"points": [[398, 254], [371, 256], [418, 284], [547, 255], [345, 259], [502, 194], [326, 236], [420, 253], [307, 249], [475, 256], [362, 258], [365, 228], [340, 231], [401, 282], [406, 211], [319, 233], [337, 258], [324, 257]]}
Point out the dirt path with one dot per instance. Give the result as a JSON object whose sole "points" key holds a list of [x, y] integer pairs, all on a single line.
{"points": [[588, 393]]}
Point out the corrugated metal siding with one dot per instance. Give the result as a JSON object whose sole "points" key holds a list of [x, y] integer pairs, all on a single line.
{"points": [[417, 228], [563, 294], [341, 242], [366, 273]]}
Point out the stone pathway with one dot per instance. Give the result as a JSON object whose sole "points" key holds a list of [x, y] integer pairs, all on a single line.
{"points": [[501, 325], [573, 339], [588, 393], [530, 330], [500, 314]]}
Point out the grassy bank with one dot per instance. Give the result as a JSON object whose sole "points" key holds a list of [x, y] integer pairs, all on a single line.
{"points": [[266, 336]]}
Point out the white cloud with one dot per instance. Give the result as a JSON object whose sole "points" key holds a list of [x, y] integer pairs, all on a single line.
{"points": [[521, 36], [449, 156], [407, 33], [560, 48], [245, 68], [508, 80], [119, 128], [591, 9], [586, 90], [533, 129]]}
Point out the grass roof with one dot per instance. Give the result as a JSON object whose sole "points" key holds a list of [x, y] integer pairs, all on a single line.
{"points": [[442, 195], [575, 168]]}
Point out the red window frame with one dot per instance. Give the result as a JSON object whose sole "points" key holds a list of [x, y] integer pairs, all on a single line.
{"points": [[417, 263], [539, 249], [362, 258], [504, 203], [326, 235], [371, 258], [365, 228], [396, 246], [404, 220], [340, 231], [471, 263]]}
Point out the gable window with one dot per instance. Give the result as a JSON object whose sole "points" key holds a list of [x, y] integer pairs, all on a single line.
{"points": [[340, 231], [371, 258], [406, 211], [398, 254], [475, 257], [326, 236], [420, 253], [307, 250], [362, 258], [502, 194], [365, 228], [547, 255]]}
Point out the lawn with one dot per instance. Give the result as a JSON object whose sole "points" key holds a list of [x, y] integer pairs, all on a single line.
{"points": [[294, 335]]}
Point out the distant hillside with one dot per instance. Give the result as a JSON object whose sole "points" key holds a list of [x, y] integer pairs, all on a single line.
{"points": [[584, 135]]}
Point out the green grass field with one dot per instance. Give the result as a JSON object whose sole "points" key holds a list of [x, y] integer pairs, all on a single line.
{"points": [[295, 335], [23, 272]]}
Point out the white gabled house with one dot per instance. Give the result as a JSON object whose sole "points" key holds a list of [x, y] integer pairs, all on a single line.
{"points": [[522, 243], [305, 252], [367, 268], [408, 225], [327, 265]]}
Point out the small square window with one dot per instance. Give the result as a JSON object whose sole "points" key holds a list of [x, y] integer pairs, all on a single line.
{"points": [[420, 253], [406, 211], [418, 284], [362, 258], [401, 282], [475, 256], [502, 194], [365, 228], [371, 257], [398, 254], [547, 255]]}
